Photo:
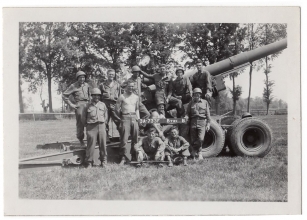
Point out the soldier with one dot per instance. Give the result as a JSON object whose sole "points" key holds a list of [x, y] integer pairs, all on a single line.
{"points": [[162, 131], [144, 113], [176, 145], [81, 94], [110, 92], [96, 115], [181, 87], [199, 118], [127, 106], [202, 79], [163, 94], [150, 148]]}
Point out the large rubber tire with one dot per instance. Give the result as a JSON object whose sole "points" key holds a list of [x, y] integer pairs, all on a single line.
{"points": [[228, 120], [214, 140], [250, 137]]}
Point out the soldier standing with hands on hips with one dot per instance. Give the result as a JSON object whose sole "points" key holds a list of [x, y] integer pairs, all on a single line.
{"points": [[198, 115], [127, 106], [96, 115], [81, 93]]}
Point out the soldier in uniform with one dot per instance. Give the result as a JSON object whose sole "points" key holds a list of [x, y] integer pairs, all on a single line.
{"points": [[127, 106], [163, 90], [181, 87], [81, 93], [110, 92], [150, 148], [144, 113], [202, 79], [96, 115], [199, 118], [176, 145]]}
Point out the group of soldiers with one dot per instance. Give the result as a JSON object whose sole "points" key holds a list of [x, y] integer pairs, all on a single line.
{"points": [[123, 103]]}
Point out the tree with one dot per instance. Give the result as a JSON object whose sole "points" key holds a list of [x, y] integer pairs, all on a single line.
{"points": [[270, 33], [236, 93], [47, 51]]}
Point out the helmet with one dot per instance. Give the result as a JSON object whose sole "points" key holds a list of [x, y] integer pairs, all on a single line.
{"points": [[136, 69], [246, 115], [95, 91], [179, 68], [197, 90], [80, 73]]}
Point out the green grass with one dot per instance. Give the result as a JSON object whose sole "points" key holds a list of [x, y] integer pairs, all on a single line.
{"points": [[221, 178]]}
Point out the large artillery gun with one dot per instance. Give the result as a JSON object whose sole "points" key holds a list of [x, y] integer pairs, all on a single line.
{"points": [[244, 136]]}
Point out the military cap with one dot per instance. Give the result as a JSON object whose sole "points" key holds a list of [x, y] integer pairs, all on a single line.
{"points": [[95, 91], [199, 61], [80, 73], [197, 90]]}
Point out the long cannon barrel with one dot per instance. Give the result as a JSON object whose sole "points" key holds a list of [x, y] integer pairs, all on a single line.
{"points": [[242, 58]]}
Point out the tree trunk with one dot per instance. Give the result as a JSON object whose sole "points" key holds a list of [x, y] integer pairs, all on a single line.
{"points": [[234, 96], [49, 92], [250, 87], [267, 86], [21, 107]]}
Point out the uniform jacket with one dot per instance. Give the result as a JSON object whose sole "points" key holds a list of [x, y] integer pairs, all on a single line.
{"points": [[175, 143], [181, 86], [79, 92], [96, 113], [202, 80], [150, 147], [109, 92], [199, 110]]}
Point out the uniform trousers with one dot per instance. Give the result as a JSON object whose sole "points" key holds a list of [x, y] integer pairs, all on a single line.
{"points": [[128, 127], [96, 132], [141, 155], [197, 132], [80, 113]]}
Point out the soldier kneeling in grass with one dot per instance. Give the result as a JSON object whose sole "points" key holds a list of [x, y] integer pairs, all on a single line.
{"points": [[176, 146], [150, 148]]}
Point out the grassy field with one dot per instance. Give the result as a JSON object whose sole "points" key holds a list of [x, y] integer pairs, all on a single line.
{"points": [[222, 178]]}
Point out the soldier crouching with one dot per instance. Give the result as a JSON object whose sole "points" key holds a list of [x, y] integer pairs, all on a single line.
{"points": [[150, 148], [176, 145], [96, 115]]}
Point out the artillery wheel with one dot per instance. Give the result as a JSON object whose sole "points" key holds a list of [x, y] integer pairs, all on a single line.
{"points": [[250, 137], [214, 140]]}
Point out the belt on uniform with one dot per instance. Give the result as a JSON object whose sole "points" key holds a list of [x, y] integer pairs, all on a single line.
{"points": [[131, 113]]}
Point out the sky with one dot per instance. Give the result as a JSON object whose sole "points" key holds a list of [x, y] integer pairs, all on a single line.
{"points": [[280, 68]]}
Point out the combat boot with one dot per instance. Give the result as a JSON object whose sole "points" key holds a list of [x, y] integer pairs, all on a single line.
{"points": [[123, 161], [104, 161], [185, 161]]}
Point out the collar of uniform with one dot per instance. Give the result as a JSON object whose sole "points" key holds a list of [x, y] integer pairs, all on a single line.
{"points": [[92, 103], [200, 100], [107, 83], [178, 79], [79, 84]]}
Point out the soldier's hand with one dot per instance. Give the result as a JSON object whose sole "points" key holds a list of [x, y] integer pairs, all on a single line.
{"points": [[207, 127], [74, 106], [207, 96]]}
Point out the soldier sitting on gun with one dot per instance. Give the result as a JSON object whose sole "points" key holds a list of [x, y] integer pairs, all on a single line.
{"points": [[181, 87], [199, 118], [110, 92], [176, 145], [202, 79], [96, 115], [81, 94], [163, 90], [150, 148]]}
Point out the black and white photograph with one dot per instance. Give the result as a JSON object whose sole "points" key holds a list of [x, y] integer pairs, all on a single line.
{"points": [[158, 110]]}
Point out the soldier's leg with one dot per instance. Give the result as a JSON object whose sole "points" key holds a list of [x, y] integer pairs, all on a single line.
{"points": [[194, 138], [102, 142], [91, 134], [124, 134], [80, 113], [134, 135], [173, 102], [160, 156], [186, 98], [201, 137]]}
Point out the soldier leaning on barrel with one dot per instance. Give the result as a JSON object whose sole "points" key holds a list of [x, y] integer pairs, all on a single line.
{"points": [[176, 145], [198, 114], [144, 113], [110, 92], [163, 90], [181, 87], [202, 79], [150, 148], [127, 106], [81, 93], [96, 118]]}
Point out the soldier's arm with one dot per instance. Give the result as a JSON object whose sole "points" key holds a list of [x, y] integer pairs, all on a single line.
{"points": [[118, 105], [184, 144], [138, 146], [209, 83], [188, 112], [167, 146], [170, 89], [189, 87], [67, 93], [208, 113], [161, 146], [137, 109], [147, 75], [105, 113]]}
